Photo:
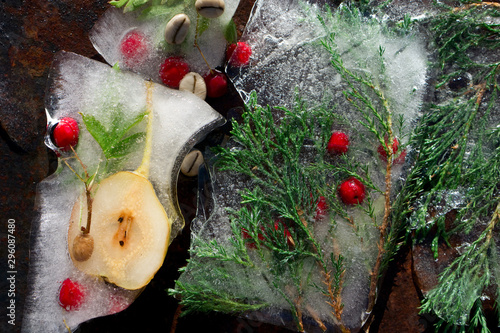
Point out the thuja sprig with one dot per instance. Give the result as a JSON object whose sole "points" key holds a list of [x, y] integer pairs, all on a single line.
{"points": [[280, 152], [462, 283], [366, 94], [459, 153], [463, 29], [203, 298], [447, 130], [334, 285], [475, 269]]}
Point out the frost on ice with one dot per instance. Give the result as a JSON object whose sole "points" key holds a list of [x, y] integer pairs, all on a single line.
{"points": [[77, 86], [111, 29], [288, 58]]}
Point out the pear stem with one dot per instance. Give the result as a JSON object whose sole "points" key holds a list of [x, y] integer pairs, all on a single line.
{"points": [[89, 209], [198, 47], [143, 169]]}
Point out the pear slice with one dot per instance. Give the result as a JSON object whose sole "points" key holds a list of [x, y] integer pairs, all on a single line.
{"points": [[130, 229], [128, 224]]}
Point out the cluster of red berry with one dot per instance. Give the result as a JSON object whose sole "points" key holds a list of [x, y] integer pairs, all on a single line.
{"points": [[352, 190], [135, 47]]}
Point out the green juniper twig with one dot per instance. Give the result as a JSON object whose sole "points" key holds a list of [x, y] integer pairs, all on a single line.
{"points": [[459, 151], [368, 98]]}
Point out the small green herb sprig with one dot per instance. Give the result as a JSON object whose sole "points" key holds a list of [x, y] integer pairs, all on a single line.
{"points": [[115, 142]]}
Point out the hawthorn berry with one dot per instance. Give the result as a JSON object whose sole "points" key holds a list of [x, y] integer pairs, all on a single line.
{"points": [[134, 48], [286, 232], [238, 54], [246, 236], [71, 295], [173, 70], [216, 83], [352, 191], [321, 208], [338, 143], [395, 147], [65, 133], [117, 304]]}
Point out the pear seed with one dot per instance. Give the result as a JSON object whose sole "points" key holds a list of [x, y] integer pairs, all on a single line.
{"points": [[121, 233]]}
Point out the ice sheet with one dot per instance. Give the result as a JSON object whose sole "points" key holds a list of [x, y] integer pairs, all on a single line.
{"points": [[288, 58], [114, 25], [81, 85]]}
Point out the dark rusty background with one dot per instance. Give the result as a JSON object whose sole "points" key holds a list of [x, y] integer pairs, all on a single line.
{"points": [[30, 33]]}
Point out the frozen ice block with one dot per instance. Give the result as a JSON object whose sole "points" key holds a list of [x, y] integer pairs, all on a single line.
{"points": [[80, 87], [113, 27], [290, 60]]}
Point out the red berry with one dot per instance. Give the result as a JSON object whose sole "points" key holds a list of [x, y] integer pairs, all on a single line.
{"points": [[134, 48], [246, 235], [71, 295], [216, 84], [352, 191], [173, 70], [321, 208], [286, 232], [338, 143], [117, 304], [238, 54], [65, 133], [395, 147]]}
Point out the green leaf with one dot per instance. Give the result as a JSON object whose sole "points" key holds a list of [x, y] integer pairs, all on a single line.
{"points": [[134, 4], [118, 3], [160, 10], [135, 121], [111, 140], [125, 146], [230, 32], [203, 24], [97, 130]]}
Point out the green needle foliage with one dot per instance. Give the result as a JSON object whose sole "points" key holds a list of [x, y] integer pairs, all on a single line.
{"points": [[369, 94], [277, 254], [274, 238], [457, 166]]}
